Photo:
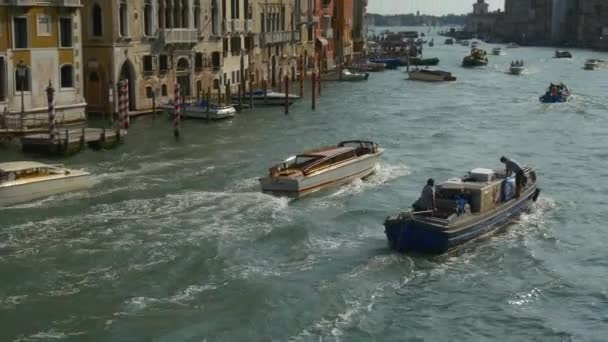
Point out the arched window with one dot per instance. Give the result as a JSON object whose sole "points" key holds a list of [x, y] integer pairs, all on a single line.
{"points": [[67, 76], [149, 92], [124, 19], [183, 65], [215, 20], [163, 90], [97, 20], [197, 14], [148, 18]]}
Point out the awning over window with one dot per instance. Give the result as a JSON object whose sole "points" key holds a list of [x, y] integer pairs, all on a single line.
{"points": [[323, 41]]}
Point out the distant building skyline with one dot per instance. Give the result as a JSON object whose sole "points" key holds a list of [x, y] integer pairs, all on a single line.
{"points": [[430, 7]]}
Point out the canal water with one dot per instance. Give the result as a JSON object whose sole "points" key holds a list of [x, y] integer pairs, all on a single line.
{"points": [[175, 242]]}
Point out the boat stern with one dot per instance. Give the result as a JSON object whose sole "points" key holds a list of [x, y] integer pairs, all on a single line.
{"points": [[280, 185], [405, 234]]}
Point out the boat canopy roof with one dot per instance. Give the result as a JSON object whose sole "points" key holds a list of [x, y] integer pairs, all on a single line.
{"points": [[21, 166]]}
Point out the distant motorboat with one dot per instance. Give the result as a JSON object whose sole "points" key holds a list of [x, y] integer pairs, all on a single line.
{"points": [[432, 43], [391, 63], [351, 76], [371, 67], [517, 68], [449, 41], [209, 112], [465, 43], [267, 98], [475, 59], [421, 61], [592, 64], [556, 93], [512, 46], [427, 75], [496, 51], [562, 54]]}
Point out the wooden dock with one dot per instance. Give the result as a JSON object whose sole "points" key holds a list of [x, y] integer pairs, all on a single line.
{"points": [[71, 141]]}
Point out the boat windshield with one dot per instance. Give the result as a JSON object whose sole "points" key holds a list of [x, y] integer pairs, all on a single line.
{"points": [[301, 161]]}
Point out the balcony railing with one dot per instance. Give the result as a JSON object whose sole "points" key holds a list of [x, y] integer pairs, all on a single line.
{"points": [[227, 26], [41, 3], [237, 25], [248, 25], [267, 38], [179, 36]]}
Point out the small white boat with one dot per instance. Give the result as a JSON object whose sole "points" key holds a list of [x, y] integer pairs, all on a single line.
{"points": [[431, 75], [512, 46], [209, 112], [349, 76], [517, 68], [271, 98], [591, 64], [25, 181], [322, 168], [496, 51]]}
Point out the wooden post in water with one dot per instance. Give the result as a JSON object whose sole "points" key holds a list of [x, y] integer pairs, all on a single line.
{"points": [[286, 94], [251, 89], [319, 75], [314, 91], [219, 95], [153, 103], [228, 95], [127, 118], [265, 89], [242, 78], [302, 76], [50, 94]]}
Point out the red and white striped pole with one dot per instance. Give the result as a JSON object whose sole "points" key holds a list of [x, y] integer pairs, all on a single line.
{"points": [[126, 104], [177, 113], [50, 93], [121, 105]]}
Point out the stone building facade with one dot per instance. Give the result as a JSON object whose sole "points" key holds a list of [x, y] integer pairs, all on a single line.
{"points": [[344, 30], [43, 40]]}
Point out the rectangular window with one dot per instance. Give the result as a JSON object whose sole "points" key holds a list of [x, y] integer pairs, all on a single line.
{"points": [[198, 61], [149, 93], [43, 25], [23, 82], [3, 79], [164, 63], [66, 31], [67, 76], [148, 63], [21, 33]]}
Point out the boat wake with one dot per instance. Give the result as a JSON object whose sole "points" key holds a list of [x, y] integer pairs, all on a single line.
{"points": [[383, 174]]}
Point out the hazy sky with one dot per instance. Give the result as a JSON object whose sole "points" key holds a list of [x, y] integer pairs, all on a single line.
{"points": [[427, 6]]}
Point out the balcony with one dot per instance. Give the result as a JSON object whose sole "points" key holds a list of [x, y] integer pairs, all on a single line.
{"points": [[42, 3], [179, 36], [267, 38], [237, 26], [248, 25], [227, 26]]}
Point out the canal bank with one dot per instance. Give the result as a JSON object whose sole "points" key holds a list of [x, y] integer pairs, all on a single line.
{"points": [[176, 242]]}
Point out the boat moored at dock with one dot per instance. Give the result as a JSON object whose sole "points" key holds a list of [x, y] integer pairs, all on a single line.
{"points": [[322, 168], [467, 208], [267, 98], [209, 112], [25, 181]]}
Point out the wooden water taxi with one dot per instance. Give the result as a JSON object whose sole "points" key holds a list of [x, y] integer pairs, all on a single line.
{"points": [[267, 98], [467, 208], [562, 54], [431, 75], [477, 58], [22, 182], [322, 168]]}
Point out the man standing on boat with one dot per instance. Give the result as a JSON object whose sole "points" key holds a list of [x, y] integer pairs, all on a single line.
{"points": [[520, 176], [426, 202]]}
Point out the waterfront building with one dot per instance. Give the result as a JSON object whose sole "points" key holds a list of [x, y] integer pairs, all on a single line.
{"points": [[481, 22], [153, 44], [40, 43], [278, 29], [324, 33], [526, 22], [359, 26], [591, 17], [344, 12]]}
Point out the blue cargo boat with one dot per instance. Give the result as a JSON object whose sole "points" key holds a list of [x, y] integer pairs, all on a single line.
{"points": [[556, 93], [470, 207]]}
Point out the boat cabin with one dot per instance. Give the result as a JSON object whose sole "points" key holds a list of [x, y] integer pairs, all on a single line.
{"points": [[317, 160], [14, 171], [478, 192]]}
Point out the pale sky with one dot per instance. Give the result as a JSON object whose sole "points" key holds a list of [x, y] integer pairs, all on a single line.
{"points": [[435, 7]]}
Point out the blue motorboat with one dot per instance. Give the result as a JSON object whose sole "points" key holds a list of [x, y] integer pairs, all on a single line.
{"points": [[391, 63], [467, 208], [556, 93]]}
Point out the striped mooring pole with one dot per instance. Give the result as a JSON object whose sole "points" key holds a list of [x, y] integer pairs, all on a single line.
{"points": [[50, 95], [177, 112], [125, 91]]}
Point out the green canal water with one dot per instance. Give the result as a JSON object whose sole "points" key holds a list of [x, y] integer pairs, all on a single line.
{"points": [[175, 242]]}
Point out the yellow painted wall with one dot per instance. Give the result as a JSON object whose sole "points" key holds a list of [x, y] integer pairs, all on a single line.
{"points": [[4, 29], [37, 41], [66, 56], [22, 54]]}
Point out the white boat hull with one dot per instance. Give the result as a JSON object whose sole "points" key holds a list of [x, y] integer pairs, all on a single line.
{"points": [[336, 175], [193, 112], [18, 192], [516, 70]]}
